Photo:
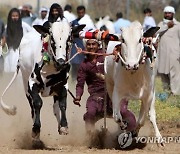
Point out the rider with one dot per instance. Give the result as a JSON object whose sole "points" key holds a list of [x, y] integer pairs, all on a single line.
{"points": [[88, 72]]}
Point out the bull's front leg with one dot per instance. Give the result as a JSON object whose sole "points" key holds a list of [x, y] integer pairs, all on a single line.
{"points": [[36, 107], [60, 104], [145, 105], [116, 108]]}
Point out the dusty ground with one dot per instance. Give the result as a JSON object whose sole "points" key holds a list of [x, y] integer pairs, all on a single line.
{"points": [[15, 131]]}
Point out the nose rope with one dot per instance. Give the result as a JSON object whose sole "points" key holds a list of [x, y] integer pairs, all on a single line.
{"points": [[72, 57], [139, 57]]}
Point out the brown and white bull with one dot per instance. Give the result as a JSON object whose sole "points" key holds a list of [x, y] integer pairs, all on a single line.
{"points": [[131, 78]]}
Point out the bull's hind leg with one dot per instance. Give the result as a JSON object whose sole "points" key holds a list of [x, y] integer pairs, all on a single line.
{"points": [[60, 103], [36, 105], [152, 116]]}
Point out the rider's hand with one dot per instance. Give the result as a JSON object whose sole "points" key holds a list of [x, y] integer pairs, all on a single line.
{"points": [[79, 50], [76, 101]]}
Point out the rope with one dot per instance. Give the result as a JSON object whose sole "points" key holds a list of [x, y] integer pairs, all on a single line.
{"points": [[72, 57], [87, 52]]}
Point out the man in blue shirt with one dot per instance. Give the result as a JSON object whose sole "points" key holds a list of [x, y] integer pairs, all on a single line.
{"points": [[120, 22], [83, 18]]}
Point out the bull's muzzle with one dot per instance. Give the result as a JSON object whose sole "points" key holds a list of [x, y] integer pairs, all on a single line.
{"points": [[132, 67], [60, 63]]}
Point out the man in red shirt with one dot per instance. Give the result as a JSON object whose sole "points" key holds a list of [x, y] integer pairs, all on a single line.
{"points": [[88, 73]]}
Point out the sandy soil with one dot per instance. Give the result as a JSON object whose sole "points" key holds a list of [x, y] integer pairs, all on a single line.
{"points": [[15, 131]]}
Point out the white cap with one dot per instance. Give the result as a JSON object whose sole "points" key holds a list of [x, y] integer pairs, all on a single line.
{"points": [[169, 9], [43, 9]]}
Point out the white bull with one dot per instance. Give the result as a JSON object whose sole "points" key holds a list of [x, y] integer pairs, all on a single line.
{"points": [[49, 79], [129, 78], [105, 24]]}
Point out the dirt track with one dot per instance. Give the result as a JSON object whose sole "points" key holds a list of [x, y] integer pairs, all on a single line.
{"points": [[15, 131]]}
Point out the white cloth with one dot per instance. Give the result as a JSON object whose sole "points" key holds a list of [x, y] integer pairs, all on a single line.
{"points": [[69, 16], [26, 28], [88, 21], [39, 21], [169, 9], [148, 23], [10, 60]]}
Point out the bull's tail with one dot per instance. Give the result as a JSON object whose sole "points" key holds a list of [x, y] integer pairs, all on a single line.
{"points": [[10, 110]]}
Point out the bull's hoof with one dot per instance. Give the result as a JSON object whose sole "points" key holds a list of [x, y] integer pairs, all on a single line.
{"points": [[35, 135], [123, 125], [161, 143], [37, 144], [63, 130]]}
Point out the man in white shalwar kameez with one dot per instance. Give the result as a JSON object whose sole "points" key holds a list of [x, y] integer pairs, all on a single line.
{"points": [[169, 51]]}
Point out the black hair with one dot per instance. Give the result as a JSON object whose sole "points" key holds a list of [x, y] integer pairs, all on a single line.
{"points": [[68, 7], [147, 10], [119, 15], [14, 30], [60, 11], [81, 7]]}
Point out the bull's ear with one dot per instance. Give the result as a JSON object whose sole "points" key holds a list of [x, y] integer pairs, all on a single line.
{"points": [[78, 28], [151, 31], [41, 29]]}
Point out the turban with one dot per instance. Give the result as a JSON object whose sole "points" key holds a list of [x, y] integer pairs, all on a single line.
{"points": [[169, 9]]}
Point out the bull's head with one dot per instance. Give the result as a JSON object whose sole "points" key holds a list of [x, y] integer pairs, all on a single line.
{"points": [[132, 45], [60, 39]]}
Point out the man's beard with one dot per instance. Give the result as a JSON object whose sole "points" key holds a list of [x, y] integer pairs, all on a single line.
{"points": [[55, 17], [168, 18]]}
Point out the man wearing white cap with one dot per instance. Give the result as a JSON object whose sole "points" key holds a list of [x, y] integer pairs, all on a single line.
{"points": [[169, 51], [43, 17]]}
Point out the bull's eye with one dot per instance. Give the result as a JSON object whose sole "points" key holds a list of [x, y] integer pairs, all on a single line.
{"points": [[140, 40], [60, 46], [60, 38]]}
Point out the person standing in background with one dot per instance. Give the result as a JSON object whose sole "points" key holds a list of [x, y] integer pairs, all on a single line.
{"points": [[68, 13], [27, 15], [148, 20], [120, 23], [83, 18], [2, 44], [14, 33], [169, 52], [43, 17]]}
